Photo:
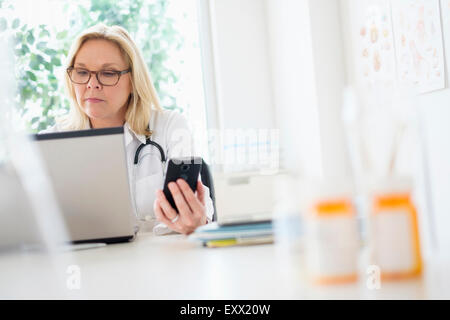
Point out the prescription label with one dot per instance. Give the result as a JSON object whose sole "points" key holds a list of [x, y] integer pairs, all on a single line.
{"points": [[332, 242], [392, 241]]}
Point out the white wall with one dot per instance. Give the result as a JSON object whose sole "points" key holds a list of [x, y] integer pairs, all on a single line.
{"points": [[294, 85], [435, 113], [241, 57], [279, 64], [330, 81], [309, 75]]}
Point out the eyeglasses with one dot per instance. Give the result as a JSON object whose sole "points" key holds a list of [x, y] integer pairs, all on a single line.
{"points": [[104, 77]]}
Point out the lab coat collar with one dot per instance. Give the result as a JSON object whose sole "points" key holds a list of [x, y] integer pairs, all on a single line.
{"points": [[130, 135]]}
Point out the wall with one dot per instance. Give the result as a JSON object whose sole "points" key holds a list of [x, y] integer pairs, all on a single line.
{"points": [[279, 64], [294, 88], [242, 73], [308, 65], [330, 81]]}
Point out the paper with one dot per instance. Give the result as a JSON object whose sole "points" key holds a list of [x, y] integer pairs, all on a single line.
{"points": [[418, 44], [376, 55]]}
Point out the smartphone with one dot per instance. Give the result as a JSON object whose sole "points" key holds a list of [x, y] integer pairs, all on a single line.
{"points": [[184, 168]]}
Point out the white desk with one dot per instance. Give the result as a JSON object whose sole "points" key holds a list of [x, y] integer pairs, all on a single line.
{"points": [[172, 267]]}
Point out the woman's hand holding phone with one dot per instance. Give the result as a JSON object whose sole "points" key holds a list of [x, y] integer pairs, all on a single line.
{"points": [[191, 207]]}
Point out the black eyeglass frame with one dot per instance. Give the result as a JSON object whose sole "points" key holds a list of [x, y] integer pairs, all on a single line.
{"points": [[119, 73]]}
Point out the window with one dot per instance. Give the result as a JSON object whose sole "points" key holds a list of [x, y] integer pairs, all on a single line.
{"points": [[165, 30]]}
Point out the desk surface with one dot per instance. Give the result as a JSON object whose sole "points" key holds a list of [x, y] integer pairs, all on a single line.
{"points": [[172, 267]]}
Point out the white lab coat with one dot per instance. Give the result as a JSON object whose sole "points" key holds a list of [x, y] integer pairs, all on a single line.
{"points": [[172, 132]]}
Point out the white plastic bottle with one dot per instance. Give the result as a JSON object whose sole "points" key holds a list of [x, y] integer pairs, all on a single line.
{"points": [[332, 237]]}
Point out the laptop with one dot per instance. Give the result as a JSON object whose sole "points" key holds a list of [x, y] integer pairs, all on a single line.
{"points": [[88, 172]]}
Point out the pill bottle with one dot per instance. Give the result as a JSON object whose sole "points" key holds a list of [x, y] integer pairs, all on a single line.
{"points": [[332, 239], [393, 230]]}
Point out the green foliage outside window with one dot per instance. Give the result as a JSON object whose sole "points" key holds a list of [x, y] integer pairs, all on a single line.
{"points": [[41, 51]]}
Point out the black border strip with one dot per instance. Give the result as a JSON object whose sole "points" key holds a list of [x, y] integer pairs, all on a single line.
{"points": [[106, 305], [77, 134]]}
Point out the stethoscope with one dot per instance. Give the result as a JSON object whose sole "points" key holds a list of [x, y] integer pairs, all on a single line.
{"points": [[148, 142]]}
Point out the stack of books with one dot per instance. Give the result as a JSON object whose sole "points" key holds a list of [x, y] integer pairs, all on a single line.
{"points": [[214, 235]]}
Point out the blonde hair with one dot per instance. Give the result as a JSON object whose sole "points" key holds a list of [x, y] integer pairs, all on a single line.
{"points": [[143, 99]]}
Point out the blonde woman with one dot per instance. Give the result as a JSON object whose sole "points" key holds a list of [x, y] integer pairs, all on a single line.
{"points": [[109, 85]]}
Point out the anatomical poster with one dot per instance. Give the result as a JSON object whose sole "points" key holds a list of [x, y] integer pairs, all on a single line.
{"points": [[418, 44]]}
